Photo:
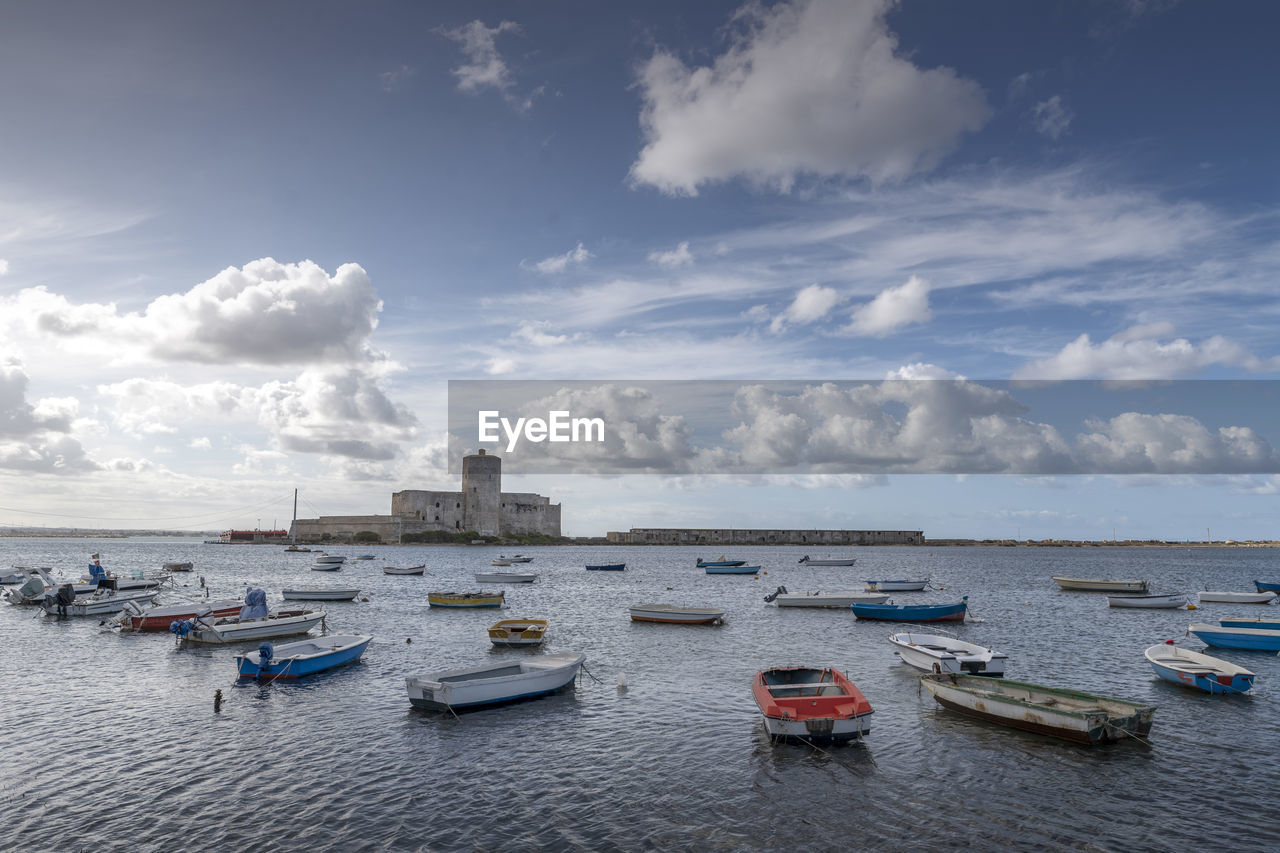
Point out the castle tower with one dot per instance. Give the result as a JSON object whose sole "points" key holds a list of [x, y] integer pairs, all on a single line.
{"points": [[482, 493]]}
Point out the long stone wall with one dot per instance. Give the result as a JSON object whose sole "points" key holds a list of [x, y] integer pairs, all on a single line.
{"points": [[708, 536]]}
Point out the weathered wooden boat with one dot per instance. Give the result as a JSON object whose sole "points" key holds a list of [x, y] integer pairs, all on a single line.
{"points": [[178, 567], [675, 614], [1249, 639], [1264, 597], [952, 612], [135, 618], [1100, 585], [810, 704], [1070, 714], [940, 653], [731, 570], [1193, 669], [518, 632], [1263, 586], [466, 599], [506, 577], [842, 598], [316, 593], [720, 562], [305, 657], [1250, 622], [897, 585], [408, 570], [1151, 600], [494, 684], [237, 629], [64, 602], [807, 561], [607, 567]]}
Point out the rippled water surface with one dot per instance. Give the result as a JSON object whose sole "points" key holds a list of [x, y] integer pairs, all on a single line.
{"points": [[110, 741]]}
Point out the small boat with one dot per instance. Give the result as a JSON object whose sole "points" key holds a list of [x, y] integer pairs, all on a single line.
{"points": [[294, 549], [1193, 669], [954, 612], [1150, 600], [410, 570], [518, 632], [18, 574], [236, 629], [730, 570], [607, 567], [675, 614], [720, 562], [506, 577], [810, 704], [1250, 639], [940, 653], [1237, 597], [494, 684], [366, 557], [1250, 622], [1070, 714], [65, 602], [134, 618], [305, 657], [824, 599], [897, 585], [331, 558], [806, 561], [1263, 586], [517, 558], [315, 593], [466, 599], [326, 567], [1100, 585], [177, 567], [500, 562]]}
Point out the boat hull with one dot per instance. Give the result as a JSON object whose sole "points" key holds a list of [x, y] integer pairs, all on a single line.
{"points": [[494, 685], [257, 629], [731, 570], [411, 570], [1247, 639], [897, 586], [1263, 597], [830, 599], [810, 704], [160, 618], [295, 660], [608, 567], [1264, 586], [911, 612], [676, 615], [1100, 585], [464, 599], [1166, 602], [807, 562], [319, 594], [934, 653], [1069, 714], [1192, 669], [506, 577]]}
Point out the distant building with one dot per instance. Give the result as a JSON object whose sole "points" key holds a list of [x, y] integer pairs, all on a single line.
{"points": [[730, 536], [481, 507]]}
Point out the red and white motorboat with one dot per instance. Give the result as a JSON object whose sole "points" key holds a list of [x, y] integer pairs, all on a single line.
{"points": [[134, 618], [811, 704]]}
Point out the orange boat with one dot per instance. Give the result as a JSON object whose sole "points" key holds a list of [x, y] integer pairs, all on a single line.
{"points": [[811, 704]]}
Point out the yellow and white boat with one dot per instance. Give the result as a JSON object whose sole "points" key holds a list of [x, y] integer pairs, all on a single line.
{"points": [[465, 599], [518, 632]]}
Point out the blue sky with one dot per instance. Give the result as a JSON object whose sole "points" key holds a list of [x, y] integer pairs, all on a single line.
{"points": [[244, 246]]}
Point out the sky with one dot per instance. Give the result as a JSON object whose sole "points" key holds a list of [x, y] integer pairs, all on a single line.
{"points": [[244, 247]]}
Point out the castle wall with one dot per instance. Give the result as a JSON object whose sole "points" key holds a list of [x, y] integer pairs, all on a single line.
{"points": [[708, 536], [522, 512], [441, 510]]}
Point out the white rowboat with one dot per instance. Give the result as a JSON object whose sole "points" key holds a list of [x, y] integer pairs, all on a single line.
{"points": [[506, 577], [494, 683], [1100, 584], [940, 653], [319, 594], [675, 614], [841, 598], [1167, 602], [1237, 597]]}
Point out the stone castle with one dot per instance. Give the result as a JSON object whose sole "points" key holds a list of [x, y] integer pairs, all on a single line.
{"points": [[481, 507]]}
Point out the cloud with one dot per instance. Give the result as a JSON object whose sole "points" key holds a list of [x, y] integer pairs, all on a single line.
{"points": [[485, 68], [34, 438], [500, 365], [200, 443], [808, 87], [811, 303], [680, 256], [1051, 117], [1145, 351], [533, 333], [559, 263], [391, 80], [4, 267], [892, 309]]}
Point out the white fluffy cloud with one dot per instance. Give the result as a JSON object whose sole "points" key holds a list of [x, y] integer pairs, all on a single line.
{"points": [[680, 256], [893, 308], [1147, 351], [35, 437], [811, 303], [808, 87], [559, 263]]}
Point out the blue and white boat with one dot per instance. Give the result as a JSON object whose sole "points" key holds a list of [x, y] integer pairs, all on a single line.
{"points": [[294, 660], [607, 567], [1250, 622], [1193, 669], [899, 585], [494, 684], [1265, 586], [702, 564], [952, 612], [1251, 639], [730, 570]]}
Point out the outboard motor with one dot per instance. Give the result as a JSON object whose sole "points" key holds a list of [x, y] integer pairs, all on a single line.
{"points": [[782, 590], [265, 651], [255, 605], [66, 595], [181, 628]]}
